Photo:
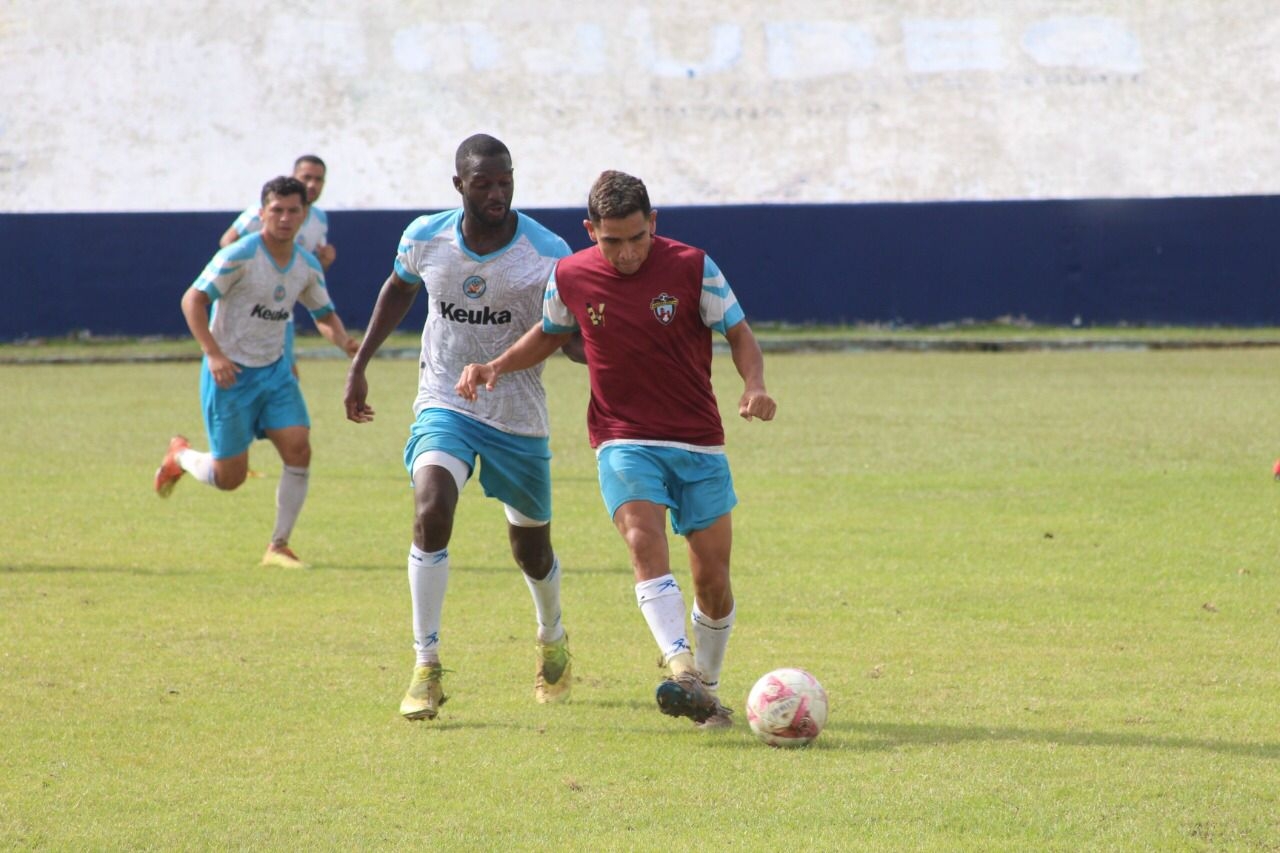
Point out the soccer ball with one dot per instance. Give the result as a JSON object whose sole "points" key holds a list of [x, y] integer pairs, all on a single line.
{"points": [[787, 707]]}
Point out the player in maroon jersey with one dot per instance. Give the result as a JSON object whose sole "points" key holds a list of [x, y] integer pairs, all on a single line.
{"points": [[645, 307]]}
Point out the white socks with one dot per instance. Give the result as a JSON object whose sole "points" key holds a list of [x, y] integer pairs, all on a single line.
{"points": [[710, 639], [663, 608], [197, 464], [290, 494], [428, 579], [546, 603], [662, 604]]}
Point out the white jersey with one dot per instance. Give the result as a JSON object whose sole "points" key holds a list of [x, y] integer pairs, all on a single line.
{"points": [[313, 234], [253, 298], [478, 305]]}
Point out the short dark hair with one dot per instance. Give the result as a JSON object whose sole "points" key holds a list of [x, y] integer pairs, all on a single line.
{"points": [[617, 195], [282, 186], [478, 145], [309, 158]]}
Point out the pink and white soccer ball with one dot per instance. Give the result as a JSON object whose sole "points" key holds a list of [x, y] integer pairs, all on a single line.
{"points": [[787, 707]]}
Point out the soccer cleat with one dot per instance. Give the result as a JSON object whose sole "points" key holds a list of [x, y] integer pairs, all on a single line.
{"points": [[721, 719], [169, 472], [555, 672], [685, 695], [1275, 470], [282, 557], [425, 695]]}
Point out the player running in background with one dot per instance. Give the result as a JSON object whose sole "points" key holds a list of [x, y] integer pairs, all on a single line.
{"points": [[246, 386], [312, 236], [645, 307], [484, 268]]}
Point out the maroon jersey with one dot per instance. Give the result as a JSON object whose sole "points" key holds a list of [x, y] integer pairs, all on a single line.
{"points": [[647, 342]]}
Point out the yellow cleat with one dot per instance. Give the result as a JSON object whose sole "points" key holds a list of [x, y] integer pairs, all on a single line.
{"points": [[425, 695], [282, 557], [555, 672]]}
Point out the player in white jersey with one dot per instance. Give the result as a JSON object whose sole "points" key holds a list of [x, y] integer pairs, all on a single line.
{"points": [[246, 386], [484, 268], [312, 236]]}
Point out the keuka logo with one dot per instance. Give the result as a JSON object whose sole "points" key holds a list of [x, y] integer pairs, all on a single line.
{"points": [[485, 317], [267, 314]]}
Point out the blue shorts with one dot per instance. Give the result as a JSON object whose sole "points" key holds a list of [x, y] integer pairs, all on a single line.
{"points": [[263, 398], [515, 469], [696, 487]]}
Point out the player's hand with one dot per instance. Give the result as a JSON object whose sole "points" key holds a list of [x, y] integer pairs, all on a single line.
{"points": [[351, 347], [354, 399], [473, 376], [757, 404], [224, 370]]}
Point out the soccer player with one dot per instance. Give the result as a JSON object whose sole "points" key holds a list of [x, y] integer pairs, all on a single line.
{"points": [[645, 307], [246, 386], [484, 268], [314, 233], [312, 236]]}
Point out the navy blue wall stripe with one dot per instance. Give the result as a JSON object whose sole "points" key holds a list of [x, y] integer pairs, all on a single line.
{"points": [[1199, 261]]}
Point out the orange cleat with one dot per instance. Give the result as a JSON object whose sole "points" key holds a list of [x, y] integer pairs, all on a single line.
{"points": [[170, 472]]}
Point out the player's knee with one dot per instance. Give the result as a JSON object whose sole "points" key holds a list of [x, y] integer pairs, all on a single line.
{"points": [[298, 456], [644, 543], [534, 558], [229, 481], [432, 525]]}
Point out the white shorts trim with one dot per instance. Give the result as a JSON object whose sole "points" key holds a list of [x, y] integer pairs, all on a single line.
{"points": [[715, 449], [460, 470], [516, 518]]}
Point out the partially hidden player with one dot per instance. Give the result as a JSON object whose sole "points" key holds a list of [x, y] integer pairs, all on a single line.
{"points": [[313, 235]]}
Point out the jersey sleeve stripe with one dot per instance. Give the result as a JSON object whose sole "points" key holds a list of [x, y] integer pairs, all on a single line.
{"points": [[557, 319]]}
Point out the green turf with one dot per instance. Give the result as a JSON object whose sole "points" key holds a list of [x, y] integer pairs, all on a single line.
{"points": [[1040, 588]]}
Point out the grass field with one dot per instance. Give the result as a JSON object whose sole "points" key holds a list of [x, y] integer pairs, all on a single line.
{"points": [[1041, 588]]}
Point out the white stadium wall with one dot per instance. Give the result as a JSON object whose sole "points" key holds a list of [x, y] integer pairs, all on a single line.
{"points": [[843, 160], [143, 105]]}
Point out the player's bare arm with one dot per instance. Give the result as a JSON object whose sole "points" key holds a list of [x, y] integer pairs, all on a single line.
{"points": [[534, 347], [749, 361], [228, 237], [394, 300], [335, 333], [195, 309]]}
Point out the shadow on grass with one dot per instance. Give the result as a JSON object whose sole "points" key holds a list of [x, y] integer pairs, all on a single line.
{"points": [[388, 565], [467, 568], [40, 569], [885, 736]]}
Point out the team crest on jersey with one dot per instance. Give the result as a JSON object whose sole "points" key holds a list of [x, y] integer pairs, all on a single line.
{"points": [[596, 315], [664, 308], [474, 287], [279, 293]]}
